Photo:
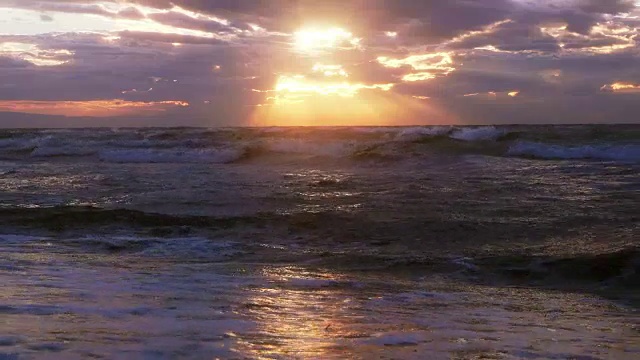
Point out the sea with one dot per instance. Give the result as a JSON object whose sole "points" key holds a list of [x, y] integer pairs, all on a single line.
{"points": [[432, 242]]}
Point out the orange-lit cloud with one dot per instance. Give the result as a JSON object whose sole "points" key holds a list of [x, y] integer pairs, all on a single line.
{"points": [[489, 29], [603, 38], [422, 76], [96, 108], [136, 91], [494, 94], [621, 87], [34, 54], [330, 70], [424, 66]]}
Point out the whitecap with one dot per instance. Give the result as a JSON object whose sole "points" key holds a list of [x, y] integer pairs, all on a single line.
{"points": [[478, 133]]}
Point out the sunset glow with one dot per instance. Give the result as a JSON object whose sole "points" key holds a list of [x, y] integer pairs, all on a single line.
{"points": [[97, 108], [228, 59], [319, 179], [330, 70], [299, 84]]}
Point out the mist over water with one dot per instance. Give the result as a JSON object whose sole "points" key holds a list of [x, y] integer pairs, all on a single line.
{"points": [[454, 242]]}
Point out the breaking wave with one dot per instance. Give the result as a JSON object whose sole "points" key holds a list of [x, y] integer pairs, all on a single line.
{"points": [[478, 133], [224, 146]]}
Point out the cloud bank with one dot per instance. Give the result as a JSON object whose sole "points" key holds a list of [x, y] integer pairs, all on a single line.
{"points": [[303, 62]]}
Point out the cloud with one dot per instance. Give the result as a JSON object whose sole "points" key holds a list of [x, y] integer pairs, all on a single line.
{"points": [[181, 20], [11, 62], [35, 55], [422, 66], [130, 13], [93, 108], [550, 54], [148, 36], [621, 87]]}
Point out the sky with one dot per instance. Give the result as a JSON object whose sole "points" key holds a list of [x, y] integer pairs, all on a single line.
{"points": [[308, 62]]}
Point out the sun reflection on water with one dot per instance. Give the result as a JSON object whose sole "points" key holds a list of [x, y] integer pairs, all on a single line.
{"points": [[302, 314]]}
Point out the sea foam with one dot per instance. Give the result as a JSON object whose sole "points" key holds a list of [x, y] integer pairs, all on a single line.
{"points": [[478, 133]]}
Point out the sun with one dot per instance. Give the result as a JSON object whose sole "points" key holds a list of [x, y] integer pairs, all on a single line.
{"points": [[332, 91]]}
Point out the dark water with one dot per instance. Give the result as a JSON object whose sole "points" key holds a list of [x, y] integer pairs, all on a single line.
{"points": [[435, 242]]}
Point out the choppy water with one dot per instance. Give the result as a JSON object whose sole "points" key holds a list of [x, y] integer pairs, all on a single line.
{"points": [[427, 242]]}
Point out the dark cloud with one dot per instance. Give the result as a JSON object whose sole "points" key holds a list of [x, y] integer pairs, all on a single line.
{"points": [[144, 37], [606, 7], [8, 63], [512, 36]]}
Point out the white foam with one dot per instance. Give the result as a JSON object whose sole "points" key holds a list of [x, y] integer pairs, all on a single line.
{"points": [[478, 133], [599, 152], [415, 133], [214, 156]]}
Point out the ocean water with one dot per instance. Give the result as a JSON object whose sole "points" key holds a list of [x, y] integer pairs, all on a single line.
{"points": [[518, 242]]}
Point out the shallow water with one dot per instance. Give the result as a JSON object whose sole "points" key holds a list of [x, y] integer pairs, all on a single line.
{"points": [[329, 244]]}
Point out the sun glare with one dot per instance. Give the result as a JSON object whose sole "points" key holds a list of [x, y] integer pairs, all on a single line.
{"points": [[315, 40], [300, 85], [330, 70], [328, 93]]}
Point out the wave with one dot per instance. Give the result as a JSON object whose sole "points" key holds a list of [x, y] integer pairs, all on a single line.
{"points": [[417, 133], [55, 151], [214, 156], [62, 218], [597, 152], [616, 266], [377, 143], [484, 133]]}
